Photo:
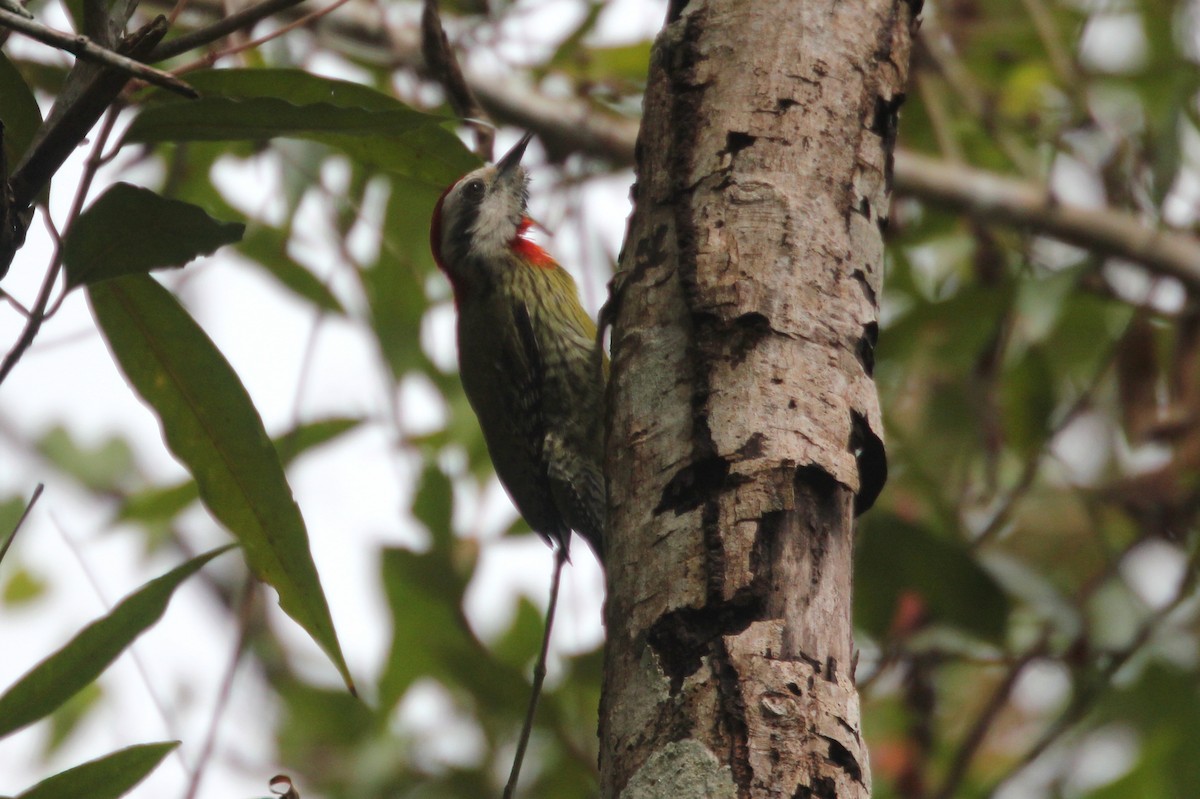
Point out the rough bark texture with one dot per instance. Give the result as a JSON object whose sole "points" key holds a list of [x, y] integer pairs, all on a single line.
{"points": [[744, 425]]}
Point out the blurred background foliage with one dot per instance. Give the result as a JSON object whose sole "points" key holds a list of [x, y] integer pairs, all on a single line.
{"points": [[1025, 591]]}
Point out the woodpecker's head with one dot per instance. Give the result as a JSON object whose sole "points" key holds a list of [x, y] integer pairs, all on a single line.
{"points": [[480, 222]]}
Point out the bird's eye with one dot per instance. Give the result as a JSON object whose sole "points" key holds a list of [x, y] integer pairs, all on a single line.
{"points": [[474, 190]]}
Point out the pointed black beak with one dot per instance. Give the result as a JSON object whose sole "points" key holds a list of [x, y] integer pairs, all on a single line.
{"points": [[512, 158]]}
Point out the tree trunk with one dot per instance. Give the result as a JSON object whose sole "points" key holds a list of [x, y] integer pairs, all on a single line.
{"points": [[744, 427]]}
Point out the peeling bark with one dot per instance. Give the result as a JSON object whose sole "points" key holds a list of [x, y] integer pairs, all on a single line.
{"points": [[744, 426]]}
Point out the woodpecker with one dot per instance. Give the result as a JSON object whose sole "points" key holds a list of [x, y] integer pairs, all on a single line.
{"points": [[527, 353]]}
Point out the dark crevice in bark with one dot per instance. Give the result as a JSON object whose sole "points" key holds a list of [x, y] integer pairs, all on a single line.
{"points": [[861, 277], [885, 120], [681, 638], [865, 350], [731, 340], [864, 208], [692, 485], [842, 757], [822, 788], [738, 140], [733, 718], [871, 457]]}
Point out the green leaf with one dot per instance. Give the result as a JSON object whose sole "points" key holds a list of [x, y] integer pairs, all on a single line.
{"points": [[895, 557], [131, 230], [433, 506], [1163, 704], [311, 435], [158, 504], [522, 641], [100, 468], [428, 627], [65, 720], [257, 104], [268, 248], [18, 110], [63, 674], [104, 778], [163, 503], [22, 588], [1028, 403], [211, 425]]}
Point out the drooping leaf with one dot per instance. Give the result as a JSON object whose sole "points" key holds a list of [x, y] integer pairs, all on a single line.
{"points": [[433, 506], [1164, 706], [100, 468], [107, 777], [61, 675], [268, 248], [211, 425], [162, 503], [257, 104], [22, 587], [301, 439], [68, 718], [131, 230], [395, 285], [428, 626]]}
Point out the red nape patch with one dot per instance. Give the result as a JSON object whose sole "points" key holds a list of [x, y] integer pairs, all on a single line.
{"points": [[527, 249], [435, 229]]}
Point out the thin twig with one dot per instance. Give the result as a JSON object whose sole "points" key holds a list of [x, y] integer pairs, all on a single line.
{"points": [[38, 314], [1030, 470], [88, 94], [84, 48], [1061, 59], [539, 675], [1084, 699], [983, 723], [940, 119], [972, 96], [444, 68], [998, 199], [245, 608], [246, 18], [37, 492], [132, 650], [212, 58]]}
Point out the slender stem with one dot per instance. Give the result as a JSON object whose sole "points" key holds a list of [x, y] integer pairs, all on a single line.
{"points": [[38, 314], [211, 58], [84, 48], [133, 651], [37, 492], [539, 675], [209, 34], [443, 66], [940, 119], [245, 610], [987, 717]]}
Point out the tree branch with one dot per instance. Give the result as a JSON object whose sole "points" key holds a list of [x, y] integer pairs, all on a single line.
{"points": [[995, 198], [568, 126], [441, 62], [84, 48], [223, 27], [74, 114]]}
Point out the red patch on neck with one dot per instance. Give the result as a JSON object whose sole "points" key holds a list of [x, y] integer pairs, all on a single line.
{"points": [[435, 243], [527, 249], [435, 229]]}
